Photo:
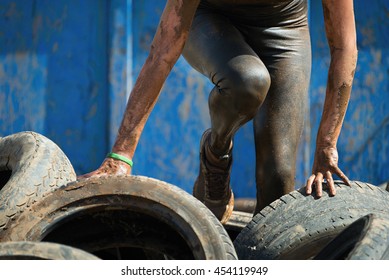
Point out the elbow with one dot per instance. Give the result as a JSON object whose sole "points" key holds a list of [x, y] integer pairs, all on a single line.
{"points": [[352, 50], [348, 48], [348, 53]]}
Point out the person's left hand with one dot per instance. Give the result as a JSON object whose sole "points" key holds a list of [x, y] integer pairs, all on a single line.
{"points": [[324, 166]]}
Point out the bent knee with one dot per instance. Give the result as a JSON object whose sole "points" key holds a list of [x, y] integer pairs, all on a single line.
{"points": [[249, 89]]}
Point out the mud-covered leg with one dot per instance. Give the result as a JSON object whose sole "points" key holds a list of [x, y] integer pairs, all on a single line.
{"points": [[241, 83], [279, 124]]}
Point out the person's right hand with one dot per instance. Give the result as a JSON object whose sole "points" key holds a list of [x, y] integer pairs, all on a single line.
{"points": [[109, 166]]}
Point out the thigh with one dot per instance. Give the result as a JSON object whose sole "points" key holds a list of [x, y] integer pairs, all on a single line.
{"points": [[218, 50]]}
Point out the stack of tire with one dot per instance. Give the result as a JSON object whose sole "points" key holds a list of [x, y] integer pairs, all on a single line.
{"points": [[45, 213], [43, 210]]}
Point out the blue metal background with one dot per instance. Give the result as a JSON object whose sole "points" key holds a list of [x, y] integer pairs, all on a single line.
{"points": [[67, 67]]}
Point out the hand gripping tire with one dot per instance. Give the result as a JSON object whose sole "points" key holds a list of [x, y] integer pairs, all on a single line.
{"points": [[27, 250], [129, 217], [365, 239], [298, 226], [30, 167]]}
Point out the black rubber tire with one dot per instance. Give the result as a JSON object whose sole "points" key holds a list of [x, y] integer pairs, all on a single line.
{"points": [[237, 222], [31, 166], [365, 239], [27, 250], [298, 226], [127, 214]]}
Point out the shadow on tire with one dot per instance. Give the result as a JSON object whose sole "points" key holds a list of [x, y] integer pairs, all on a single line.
{"points": [[365, 239]]}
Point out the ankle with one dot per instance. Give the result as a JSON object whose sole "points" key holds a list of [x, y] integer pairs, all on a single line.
{"points": [[217, 159]]}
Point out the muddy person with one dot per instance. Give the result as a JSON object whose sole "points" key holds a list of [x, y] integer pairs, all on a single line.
{"points": [[258, 56]]}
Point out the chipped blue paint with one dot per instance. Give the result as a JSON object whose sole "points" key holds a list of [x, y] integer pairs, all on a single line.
{"points": [[53, 76], [120, 62], [66, 68]]}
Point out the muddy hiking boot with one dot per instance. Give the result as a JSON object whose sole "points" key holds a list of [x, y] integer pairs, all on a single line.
{"points": [[212, 186]]}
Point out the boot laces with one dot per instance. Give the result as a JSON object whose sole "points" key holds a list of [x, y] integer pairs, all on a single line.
{"points": [[219, 180]]}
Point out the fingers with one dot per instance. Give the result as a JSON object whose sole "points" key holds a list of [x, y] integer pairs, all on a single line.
{"points": [[308, 187], [317, 181], [89, 175], [342, 176], [330, 183], [319, 184]]}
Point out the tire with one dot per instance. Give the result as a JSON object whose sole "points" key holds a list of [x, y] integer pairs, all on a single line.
{"points": [[245, 205], [365, 239], [129, 217], [384, 186], [31, 166], [25, 250], [237, 223], [298, 226]]}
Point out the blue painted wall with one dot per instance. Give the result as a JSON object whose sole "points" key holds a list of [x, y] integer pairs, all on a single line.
{"points": [[67, 67], [53, 74], [63, 72]]}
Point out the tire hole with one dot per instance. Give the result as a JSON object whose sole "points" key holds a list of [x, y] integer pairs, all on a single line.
{"points": [[120, 234], [5, 175]]}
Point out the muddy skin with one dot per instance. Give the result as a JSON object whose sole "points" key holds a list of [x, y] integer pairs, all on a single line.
{"points": [[262, 74], [341, 36], [257, 54], [166, 48]]}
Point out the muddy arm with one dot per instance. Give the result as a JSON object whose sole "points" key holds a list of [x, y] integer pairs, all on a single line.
{"points": [[341, 35], [166, 48]]}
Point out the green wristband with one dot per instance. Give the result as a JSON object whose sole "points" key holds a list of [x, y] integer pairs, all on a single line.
{"points": [[121, 158]]}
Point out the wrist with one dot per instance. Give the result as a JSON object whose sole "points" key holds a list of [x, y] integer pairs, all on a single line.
{"points": [[124, 145], [121, 158], [328, 140], [325, 145]]}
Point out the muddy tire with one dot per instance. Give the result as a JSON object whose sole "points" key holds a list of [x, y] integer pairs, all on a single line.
{"points": [[365, 239], [31, 166], [131, 217], [237, 223], [25, 250], [298, 226]]}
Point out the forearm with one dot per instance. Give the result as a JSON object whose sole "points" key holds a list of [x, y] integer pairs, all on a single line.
{"points": [[167, 46], [341, 36], [140, 104], [340, 79]]}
